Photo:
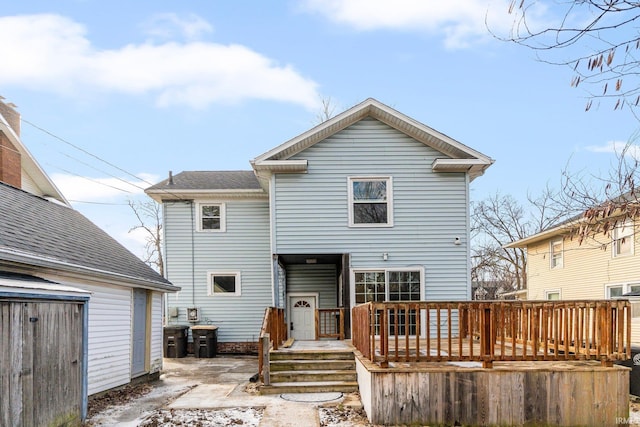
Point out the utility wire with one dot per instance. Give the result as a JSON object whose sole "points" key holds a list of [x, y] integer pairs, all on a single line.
{"points": [[90, 179], [84, 151], [104, 172], [100, 159]]}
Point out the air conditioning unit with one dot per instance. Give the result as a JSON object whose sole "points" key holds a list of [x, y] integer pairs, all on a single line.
{"points": [[193, 314]]}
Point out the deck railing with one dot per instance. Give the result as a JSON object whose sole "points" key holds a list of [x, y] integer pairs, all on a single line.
{"points": [[491, 331], [330, 323], [272, 335]]}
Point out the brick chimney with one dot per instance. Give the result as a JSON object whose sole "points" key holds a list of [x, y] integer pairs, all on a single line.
{"points": [[10, 158]]}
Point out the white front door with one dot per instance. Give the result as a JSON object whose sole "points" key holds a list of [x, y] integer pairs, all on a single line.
{"points": [[302, 311]]}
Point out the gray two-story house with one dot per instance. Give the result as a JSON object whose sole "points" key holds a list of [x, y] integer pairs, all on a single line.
{"points": [[370, 205]]}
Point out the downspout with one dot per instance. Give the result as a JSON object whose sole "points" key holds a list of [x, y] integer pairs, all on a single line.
{"points": [[85, 361], [468, 235], [275, 290], [193, 260]]}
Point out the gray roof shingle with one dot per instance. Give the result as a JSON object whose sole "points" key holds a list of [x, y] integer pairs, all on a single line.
{"points": [[210, 180], [40, 231]]}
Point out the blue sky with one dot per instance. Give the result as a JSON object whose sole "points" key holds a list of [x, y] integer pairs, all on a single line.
{"points": [[153, 86]]}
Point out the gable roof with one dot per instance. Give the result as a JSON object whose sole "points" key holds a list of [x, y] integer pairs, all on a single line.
{"points": [[30, 166], [566, 225], [40, 233], [203, 184], [457, 156]]}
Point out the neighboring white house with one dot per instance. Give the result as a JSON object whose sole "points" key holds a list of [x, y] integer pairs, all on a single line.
{"points": [[41, 235], [370, 205]]}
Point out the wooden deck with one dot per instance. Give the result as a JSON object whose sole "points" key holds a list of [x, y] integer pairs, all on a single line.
{"points": [[493, 331], [510, 393]]}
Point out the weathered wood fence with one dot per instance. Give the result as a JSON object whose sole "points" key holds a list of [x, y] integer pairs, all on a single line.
{"points": [[491, 331]]}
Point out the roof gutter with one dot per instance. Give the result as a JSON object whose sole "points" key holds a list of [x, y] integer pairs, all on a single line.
{"points": [[37, 260]]}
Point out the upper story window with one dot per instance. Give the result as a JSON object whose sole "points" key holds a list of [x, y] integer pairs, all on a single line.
{"points": [[224, 283], [556, 258], [370, 202], [622, 238], [211, 217]]}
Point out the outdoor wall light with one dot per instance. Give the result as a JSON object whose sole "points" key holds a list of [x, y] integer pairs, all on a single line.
{"points": [[457, 241], [385, 256]]}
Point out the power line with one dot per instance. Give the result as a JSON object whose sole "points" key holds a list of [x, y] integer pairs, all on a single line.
{"points": [[89, 179], [98, 203], [84, 151], [101, 160]]}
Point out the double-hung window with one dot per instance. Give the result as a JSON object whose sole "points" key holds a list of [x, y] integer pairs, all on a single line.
{"points": [[223, 283], [370, 202], [622, 239], [211, 217], [556, 259]]}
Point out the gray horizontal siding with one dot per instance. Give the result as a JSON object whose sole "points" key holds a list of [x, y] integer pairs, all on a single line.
{"points": [[430, 209], [319, 278], [244, 248]]}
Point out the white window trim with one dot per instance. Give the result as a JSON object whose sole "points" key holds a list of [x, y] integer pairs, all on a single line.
{"points": [[561, 265], [626, 287], [238, 277], [223, 216], [352, 278], [614, 238], [389, 180], [552, 291]]}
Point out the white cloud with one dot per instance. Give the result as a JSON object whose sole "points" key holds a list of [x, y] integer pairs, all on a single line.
{"points": [[52, 53], [616, 147], [169, 26], [462, 22], [97, 190]]}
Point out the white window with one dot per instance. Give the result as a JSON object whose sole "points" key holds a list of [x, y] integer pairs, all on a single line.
{"points": [[370, 202], [552, 295], [555, 249], [223, 283], [211, 217], [388, 285], [619, 289], [391, 285], [622, 237]]}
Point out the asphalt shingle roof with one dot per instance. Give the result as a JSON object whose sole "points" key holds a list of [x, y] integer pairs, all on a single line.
{"points": [[210, 180], [44, 230]]}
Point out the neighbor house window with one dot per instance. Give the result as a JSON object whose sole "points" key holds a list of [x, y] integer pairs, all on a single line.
{"points": [[224, 284], [618, 290], [623, 238], [211, 217], [556, 253], [552, 295], [370, 202]]}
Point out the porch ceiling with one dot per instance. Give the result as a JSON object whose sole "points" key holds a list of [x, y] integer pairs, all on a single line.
{"points": [[302, 258]]}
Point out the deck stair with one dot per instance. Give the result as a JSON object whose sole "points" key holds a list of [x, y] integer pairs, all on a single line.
{"points": [[311, 371]]}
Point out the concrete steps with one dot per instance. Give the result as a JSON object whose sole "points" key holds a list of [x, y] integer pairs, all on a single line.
{"points": [[311, 371]]}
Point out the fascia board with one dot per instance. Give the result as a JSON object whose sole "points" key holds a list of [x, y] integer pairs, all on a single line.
{"points": [[385, 114], [160, 195], [56, 266], [29, 163]]}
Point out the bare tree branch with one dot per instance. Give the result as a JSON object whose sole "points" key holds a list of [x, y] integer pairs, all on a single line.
{"points": [[149, 215], [598, 36]]}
